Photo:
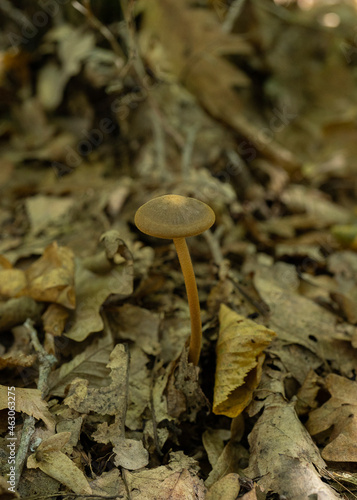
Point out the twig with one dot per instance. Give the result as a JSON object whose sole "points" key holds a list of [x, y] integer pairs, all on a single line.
{"points": [[28, 429], [46, 360], [45, 364], [188, 151], [15, 14], [214, 246], [234, 10], [153, 414], [98, 25], [159, 141]]}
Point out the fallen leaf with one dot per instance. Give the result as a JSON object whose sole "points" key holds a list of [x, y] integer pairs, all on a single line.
{"points": [[16, 311], [28, 401], [239, 358], [299, 198], [98, 277], [56, 464], [107, 400], [282, 454], [45, 210], [228, 488], [177, 480], [91, 364], [54, 319], [129, 453], [109, 484], [139, 325], [51, 277], [339, 414], [298, 320]]}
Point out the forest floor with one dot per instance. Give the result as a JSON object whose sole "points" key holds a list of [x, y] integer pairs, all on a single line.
{"points": [[250, 107]]}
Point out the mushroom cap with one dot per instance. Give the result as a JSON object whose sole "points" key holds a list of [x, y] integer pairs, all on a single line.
{"points": [[174, 216]]}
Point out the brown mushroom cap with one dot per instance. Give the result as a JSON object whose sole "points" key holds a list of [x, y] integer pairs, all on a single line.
{"points": [[174, 216]]}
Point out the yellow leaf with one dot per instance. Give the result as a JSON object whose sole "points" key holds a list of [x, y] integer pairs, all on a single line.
{"points": [[239, 360]]}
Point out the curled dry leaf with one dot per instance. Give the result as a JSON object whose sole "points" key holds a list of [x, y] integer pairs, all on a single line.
{"points": [[54, 319], [240, 356], [339, 413], [56, 464]]}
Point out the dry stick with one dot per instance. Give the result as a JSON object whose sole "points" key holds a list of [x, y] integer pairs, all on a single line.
{"points": [[98, 25], [46, 361], [153, 413], [234, 10], [15, 15], [187, 152]]}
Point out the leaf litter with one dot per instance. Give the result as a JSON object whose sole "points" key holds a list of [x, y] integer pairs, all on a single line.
{"points": [[239, 104]]}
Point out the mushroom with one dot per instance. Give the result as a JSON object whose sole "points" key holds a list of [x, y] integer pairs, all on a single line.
{"points": [[177, 217]]}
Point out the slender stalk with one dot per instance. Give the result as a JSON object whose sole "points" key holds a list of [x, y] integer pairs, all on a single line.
{"points": [[192, 296]]}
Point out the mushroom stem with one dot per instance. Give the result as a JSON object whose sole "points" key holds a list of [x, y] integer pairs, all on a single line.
{"points": [[192, 296]]}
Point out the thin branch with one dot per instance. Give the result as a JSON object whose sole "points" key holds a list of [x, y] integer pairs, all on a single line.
{"points": [[233, 13], [46, 361]]}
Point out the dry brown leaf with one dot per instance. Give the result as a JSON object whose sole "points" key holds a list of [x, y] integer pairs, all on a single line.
{"points": [[233, 457], [28, 401], [184, 394], [228, 488], [140, 382], [340, 414], [44, 210], [48, 279], [299, 198], [139, 325], [239, 358], [176, 480], [54, 319], [21, 352], [283, 457], [344, 265], [51, 277], [13, 282], [91, 364], [106, 400], [213, 441], [97, 277], [298, 320], [193, 39], [16, 311], [129, 453], [180, 486], [109, 484], [56, 464]]}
